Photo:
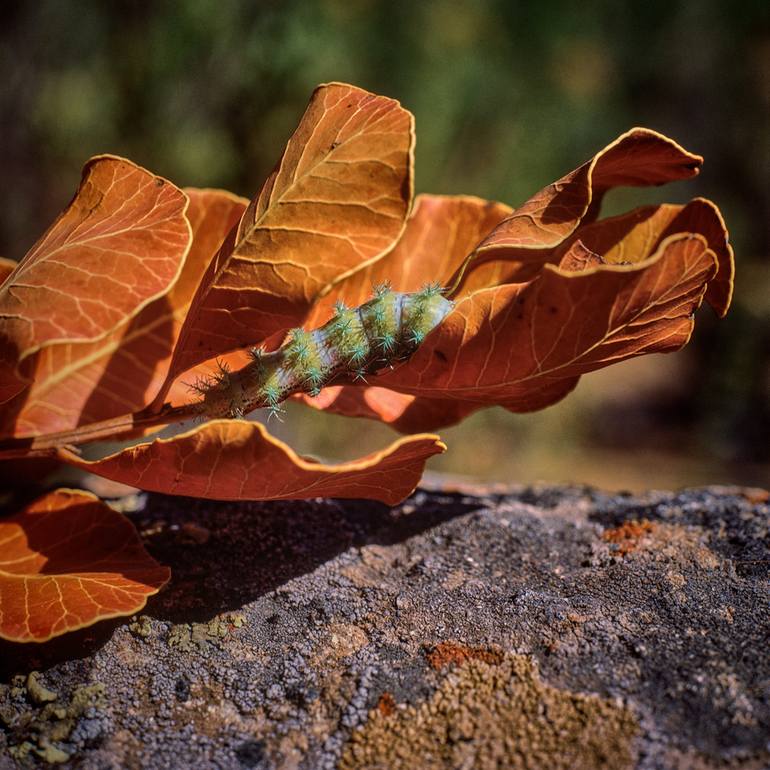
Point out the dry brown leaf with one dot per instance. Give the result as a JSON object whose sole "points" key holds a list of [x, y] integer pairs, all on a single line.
{"points": [[119, 244], [67, 561], [337, 200], [524, 346], [521, 346], [556, 226], [527, 238], [633, 237], [7, 266], [80, 383], [239, 460]]}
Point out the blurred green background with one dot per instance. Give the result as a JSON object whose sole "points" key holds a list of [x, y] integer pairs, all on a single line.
{"points": [[508, 96]]}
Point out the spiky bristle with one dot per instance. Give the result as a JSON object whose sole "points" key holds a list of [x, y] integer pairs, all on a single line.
{"points": [[415, 337], [272, 395], [387, 342], [314, 381], [432, 289], [222, 375], [201, 386], [359, 354]]}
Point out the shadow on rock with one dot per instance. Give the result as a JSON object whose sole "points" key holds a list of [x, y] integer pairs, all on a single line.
{"points": [[224, 555], [76, 645]]}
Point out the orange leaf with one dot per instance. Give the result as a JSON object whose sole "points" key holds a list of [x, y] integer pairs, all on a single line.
{"points": [[239, 460], [68, 561], [524, 346], [404, 413], [633, 237], [79, 383], [555, 226], [353, 401], [7, 266], [337, 200], [526, 239], [119, 244], [440, 233]]}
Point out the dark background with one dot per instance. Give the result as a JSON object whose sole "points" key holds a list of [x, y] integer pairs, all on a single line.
{"points": [[508, 96]]}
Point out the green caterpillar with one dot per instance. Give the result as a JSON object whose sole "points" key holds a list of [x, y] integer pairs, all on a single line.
{"points": [[355, 342]]}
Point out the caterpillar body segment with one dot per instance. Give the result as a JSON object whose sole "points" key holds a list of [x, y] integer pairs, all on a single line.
{"points": [[356, 341]]}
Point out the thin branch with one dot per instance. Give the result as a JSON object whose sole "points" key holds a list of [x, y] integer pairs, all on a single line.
{"points": [[48, 444]]}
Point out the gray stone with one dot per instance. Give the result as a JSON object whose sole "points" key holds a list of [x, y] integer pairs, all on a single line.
{"points": [[553, 627]]}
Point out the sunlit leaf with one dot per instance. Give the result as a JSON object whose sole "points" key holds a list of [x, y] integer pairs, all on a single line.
{"points": [[337, 200], [440, 233], [68, 561], [523, 346], [7, 266], [527, 238], [78, 383], [554, 227], [239, 460], [403, 412], [119, 244], [633, 237]]}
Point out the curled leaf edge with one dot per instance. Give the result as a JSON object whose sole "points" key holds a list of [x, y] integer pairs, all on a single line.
{"points": [[107, 616]]}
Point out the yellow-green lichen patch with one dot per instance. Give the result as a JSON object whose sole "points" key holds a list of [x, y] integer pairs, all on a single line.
{"points": [[187, 637], [37, 692], [487, 715], [141, 627], [47, 731]]}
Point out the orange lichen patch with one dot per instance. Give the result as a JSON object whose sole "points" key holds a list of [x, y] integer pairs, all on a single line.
{"points": [[386, 705], [489, 716], [627, 536], [452, 653]]}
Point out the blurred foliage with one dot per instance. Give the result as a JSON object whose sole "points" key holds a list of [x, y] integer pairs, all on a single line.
{"points": [[508, 96]]}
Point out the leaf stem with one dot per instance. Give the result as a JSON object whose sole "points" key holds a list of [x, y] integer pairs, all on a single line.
{"points": [[48, 444]]}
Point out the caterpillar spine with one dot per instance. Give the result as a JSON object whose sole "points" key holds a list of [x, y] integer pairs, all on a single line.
{"points": [[355, 342]]}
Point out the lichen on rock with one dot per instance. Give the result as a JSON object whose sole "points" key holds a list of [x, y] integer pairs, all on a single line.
{"points": [[537, 627], [491, 715]]}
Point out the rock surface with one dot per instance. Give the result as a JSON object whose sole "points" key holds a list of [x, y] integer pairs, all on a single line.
{"points": [[550, 627]]}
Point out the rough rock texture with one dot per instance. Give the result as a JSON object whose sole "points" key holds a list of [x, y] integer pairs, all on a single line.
{"points": [[524, 628]]}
